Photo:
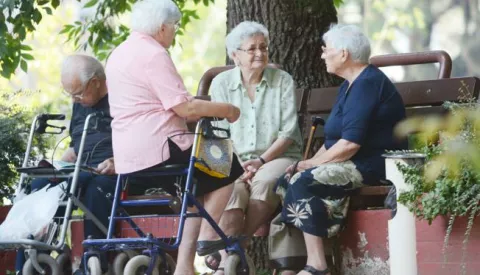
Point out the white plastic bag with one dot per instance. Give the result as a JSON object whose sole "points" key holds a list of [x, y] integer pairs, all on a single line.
{"points": [[32, 213]]}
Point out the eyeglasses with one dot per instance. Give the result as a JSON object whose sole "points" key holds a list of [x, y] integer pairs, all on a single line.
{"points": [[251, 51], [176, 26], [75, 96], [80, 94]]}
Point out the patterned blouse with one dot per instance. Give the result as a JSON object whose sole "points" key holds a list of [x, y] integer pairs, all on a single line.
{"points": [[270, 116]]}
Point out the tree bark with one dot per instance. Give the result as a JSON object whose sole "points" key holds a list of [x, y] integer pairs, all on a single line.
{"points": [[296, 28]]}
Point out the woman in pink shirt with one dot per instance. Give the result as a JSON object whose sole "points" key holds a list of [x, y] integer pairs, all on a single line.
{"points": [[150, 106]]}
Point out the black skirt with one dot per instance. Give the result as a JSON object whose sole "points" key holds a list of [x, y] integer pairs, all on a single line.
{"points": [[174, 184]]}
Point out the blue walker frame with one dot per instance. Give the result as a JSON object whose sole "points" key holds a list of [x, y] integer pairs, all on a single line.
{"points": [[152, 246]]}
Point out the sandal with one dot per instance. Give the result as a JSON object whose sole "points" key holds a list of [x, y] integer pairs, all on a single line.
{"points": [[315, 271], [217, 257], [209, 247]]}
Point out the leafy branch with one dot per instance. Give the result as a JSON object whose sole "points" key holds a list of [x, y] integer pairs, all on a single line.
{"points": [[99, 33]]}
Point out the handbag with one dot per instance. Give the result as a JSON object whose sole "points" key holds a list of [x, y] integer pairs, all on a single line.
{"points": [[214, 153], [286, 246]]}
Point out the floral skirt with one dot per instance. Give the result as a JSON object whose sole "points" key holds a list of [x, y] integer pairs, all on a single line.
{"points": [[316, 200]]}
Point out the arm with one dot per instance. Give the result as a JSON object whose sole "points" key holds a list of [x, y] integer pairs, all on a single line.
{"points": [[343, 150], [202, 108], [172, 93], [320, 152], [289, 131], [69, 155], [357, 115]]}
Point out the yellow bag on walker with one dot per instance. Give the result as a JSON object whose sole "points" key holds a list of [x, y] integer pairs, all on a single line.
{"points": [[214, 154]]}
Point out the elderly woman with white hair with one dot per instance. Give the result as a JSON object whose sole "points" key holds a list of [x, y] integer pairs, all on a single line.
{"points": [[357, 132], [266, 136], [150, 106]]}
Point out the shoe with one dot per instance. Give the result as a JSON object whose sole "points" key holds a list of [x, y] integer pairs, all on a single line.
{"points": [[315, 271], [209, 247]]}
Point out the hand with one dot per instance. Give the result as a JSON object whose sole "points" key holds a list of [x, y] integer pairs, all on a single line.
{"points": [[233, 114], [251, 167], [107, 167], [302, 165], [247, 177]]}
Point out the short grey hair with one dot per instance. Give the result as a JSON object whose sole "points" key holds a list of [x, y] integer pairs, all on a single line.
{"points": [[350, 38], [82, 66], [243, 31], [149, 15]]}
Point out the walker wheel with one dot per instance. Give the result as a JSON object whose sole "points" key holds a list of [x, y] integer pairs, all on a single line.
{"points": [[94, 267], [167, 268], [48, 264], [138, 265], [121, 260]]}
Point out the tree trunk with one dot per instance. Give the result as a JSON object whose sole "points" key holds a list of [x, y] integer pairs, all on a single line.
{"points": [[296, 28]]}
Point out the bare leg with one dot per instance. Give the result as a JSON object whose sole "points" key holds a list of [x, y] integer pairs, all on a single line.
{"points": [[259, 212], [195, 229], [316, 253], [186, 250], [215, 203]]}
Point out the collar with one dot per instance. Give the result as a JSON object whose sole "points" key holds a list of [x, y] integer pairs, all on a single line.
{"points": [[236, 80]]}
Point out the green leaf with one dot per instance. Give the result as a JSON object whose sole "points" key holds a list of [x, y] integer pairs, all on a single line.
{"points": [[24, 65], [37, 16], [337, 3], [65, 29], [21, 33], [55, 3], [24, 47], [27, 56], [90, 4], [42, 2], [48, 10]]}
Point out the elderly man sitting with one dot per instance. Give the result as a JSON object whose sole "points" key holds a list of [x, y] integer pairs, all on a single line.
{"points": [[83, 79]]}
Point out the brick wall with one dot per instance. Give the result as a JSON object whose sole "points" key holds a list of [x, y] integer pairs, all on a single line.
{"points": [[364, 245], [7, 258]]}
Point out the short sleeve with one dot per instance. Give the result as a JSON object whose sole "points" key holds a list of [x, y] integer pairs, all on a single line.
{"points": [[165, 82], [218, 94], [289, 120], [358, 110]]}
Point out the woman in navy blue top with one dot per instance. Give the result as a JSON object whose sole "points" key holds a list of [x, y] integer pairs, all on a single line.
{"points": [[358, 131]]}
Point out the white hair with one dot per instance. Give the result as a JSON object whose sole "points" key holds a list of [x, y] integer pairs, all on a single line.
{"points": [[149, 15], [82, 66], [350, 38], [243, 31]]}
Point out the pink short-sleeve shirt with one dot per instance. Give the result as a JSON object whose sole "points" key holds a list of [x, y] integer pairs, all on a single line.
{"points": [[143, 87]]}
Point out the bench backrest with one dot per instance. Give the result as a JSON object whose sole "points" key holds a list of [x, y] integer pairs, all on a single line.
{"points": [[419, 97]]}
